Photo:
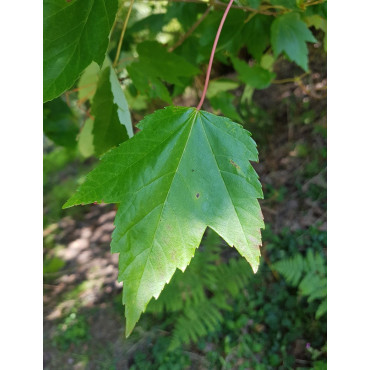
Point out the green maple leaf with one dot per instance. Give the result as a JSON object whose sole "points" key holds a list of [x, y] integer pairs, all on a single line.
{"points": [[221, 99], [255, 76], [256, 34], [60, 124], [165, 65], [289, 34], [75, 34], [156, 65], [185, 171], [112, 123], [146, 82], [224, 102]]}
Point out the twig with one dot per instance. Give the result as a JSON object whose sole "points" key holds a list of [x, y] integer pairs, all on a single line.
{"points": [[314, 3], [220, 4], [291, 79], [67, 99], [125, 60], [190, 30], [67, 93], [250, 16], [213, 54], [80, 87], [86, 97], [123, 33], [117, 16]]}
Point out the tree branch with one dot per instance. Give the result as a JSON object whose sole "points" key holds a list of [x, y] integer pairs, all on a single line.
{"points": [[219, 4], [190, 30], [123, 33]]}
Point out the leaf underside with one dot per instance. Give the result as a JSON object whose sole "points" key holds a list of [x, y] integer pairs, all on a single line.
{"points": [[185, 171], [112, 117]]}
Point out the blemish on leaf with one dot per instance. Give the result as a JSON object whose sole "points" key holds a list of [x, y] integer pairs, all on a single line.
{"points": [[192, 170], [234, 164], [197, 195]]}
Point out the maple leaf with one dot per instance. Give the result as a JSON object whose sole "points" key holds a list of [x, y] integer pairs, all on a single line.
{"points": [[256, 34], [75, 34], [255, 76], [60, 124], [112, 123], [289, 34], [185, 171]]}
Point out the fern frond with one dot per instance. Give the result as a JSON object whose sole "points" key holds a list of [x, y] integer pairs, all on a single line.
{"points": [[188, 288], [308, 274], [233, 276], [291, 268], [200, 295], [196, 322], [321, 310], [313, 286], [315, 262]]}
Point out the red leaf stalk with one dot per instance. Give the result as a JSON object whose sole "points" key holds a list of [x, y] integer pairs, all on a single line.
{"points": [[213, 54]]}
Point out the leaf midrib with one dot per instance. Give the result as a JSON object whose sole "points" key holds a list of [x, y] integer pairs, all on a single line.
{"points": [[163, 205]]}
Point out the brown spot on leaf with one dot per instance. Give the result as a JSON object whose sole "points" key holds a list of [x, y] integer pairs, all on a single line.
{"points": [[234, 164], [197, 195]]}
